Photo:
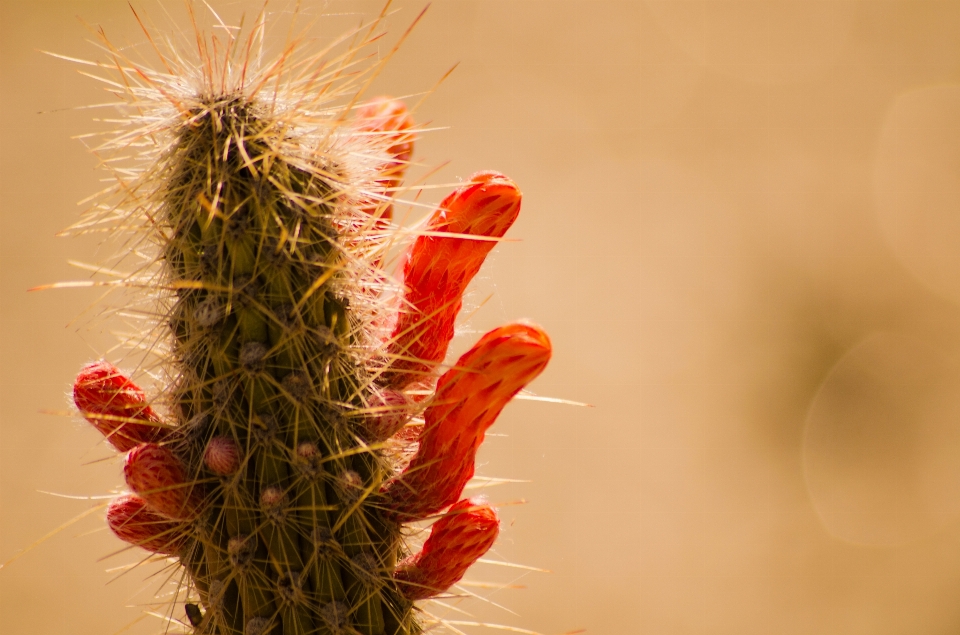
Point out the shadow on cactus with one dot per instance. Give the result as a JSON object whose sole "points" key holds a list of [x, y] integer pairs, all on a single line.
{"points": [[306, 417]]}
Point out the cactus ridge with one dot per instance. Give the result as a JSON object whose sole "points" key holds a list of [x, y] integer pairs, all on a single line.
{"points": [[279, 461]]}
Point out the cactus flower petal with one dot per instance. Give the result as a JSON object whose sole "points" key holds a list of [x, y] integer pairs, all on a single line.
{"points": [[134, 522], [456, 541], [468, 400], [156, 474], [116, 407]]}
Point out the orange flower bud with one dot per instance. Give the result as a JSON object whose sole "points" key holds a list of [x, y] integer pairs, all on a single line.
{"points": [[456, 541], [438, 269], [391, 117], [468, 399]]}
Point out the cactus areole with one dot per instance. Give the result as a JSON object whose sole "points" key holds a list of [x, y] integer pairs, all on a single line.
{"points": [[302, 416]]}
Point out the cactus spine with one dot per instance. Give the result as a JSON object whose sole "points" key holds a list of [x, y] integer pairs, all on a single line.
{"points": [[285, 461]]}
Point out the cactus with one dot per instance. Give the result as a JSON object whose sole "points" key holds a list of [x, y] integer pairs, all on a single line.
{"points": [[302, 422]]}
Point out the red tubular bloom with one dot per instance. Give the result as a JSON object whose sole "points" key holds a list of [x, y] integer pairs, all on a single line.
{"points": [[438, 269], [116, 407], [456, 541], [468, 399], [388, 117], [159, 477], [133, 522]]}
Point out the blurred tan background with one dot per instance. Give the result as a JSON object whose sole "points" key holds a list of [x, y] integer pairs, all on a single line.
{"points": [[741, 227]]}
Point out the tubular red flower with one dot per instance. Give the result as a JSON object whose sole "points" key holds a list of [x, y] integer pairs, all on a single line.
{"points": [[116, 407], [468, 399], [156, 474], [134, 522], [456, 541], [438, 269]]}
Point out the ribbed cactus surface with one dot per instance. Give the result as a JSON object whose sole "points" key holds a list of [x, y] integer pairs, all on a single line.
{"points": [[304, 420]]}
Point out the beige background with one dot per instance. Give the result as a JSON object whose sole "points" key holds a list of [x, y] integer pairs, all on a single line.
{"points": [[741, 227]]}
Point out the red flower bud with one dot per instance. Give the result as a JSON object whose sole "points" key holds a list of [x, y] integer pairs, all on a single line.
{"points": [[133, 522], [222, 456], [391, 117], [468, 399], [116, 407], [388, 118], [438, 269], [456, 541], [159, 477]]}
